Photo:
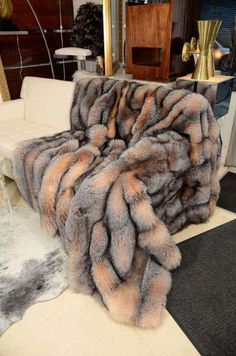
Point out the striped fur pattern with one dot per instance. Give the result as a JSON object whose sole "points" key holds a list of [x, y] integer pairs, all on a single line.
{"points": [[139, 163]]}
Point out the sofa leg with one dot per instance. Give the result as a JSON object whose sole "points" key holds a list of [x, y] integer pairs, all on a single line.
{"points": [[4, 192]]}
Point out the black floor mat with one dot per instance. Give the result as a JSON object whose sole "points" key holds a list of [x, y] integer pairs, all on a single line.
{"points": [[227, 198], [203, 296]]}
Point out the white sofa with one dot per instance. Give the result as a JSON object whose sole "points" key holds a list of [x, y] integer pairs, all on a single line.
{"points": [[43, 109]]}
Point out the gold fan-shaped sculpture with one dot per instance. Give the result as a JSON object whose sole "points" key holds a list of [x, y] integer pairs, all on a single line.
{"points": [[205, 68]]}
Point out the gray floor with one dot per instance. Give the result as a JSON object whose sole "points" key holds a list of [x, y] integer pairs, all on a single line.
{"points": [[202, 299]]}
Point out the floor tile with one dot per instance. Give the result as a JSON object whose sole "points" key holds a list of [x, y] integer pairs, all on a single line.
{"points": [[76, 325]]}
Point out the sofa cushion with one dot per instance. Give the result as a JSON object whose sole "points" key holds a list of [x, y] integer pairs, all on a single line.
{"points": [[13, 109], [47, 101], [15, 130]]}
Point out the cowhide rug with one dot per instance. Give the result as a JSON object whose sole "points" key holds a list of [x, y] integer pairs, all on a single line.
{"points": [[33, 266]]}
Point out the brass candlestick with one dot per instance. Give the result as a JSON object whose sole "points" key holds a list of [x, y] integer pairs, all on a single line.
{"points": [[6, 9], [205, 67], [4, 91]]}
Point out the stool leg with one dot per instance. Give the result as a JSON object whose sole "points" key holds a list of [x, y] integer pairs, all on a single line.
{"points": [[83, 64], [3, 190]]}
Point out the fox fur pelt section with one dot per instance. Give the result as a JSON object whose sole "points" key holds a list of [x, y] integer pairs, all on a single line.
{"points": [[139, 163]]}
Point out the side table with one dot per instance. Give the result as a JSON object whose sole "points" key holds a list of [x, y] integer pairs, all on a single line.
{"points": [[3, 189], [217, 90]]}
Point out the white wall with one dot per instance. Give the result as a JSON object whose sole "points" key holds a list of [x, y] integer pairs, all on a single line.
{"points": [[77, 3], [226, 124]]}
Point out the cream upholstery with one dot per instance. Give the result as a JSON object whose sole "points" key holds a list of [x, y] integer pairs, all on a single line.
{"points": [[44, 109], [48, 101], [15, 130], [14, 109]]}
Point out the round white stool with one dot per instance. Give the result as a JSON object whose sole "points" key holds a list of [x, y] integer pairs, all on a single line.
{"points": [[79, 53]]}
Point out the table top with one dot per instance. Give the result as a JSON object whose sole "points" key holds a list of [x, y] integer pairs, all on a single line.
{"points": [[216, 79]]}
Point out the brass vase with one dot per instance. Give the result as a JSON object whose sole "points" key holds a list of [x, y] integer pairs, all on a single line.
{"points": [[208, 30], [6, 9]]}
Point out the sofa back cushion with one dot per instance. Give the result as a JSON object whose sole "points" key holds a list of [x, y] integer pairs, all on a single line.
{"points": [[48, 101]]}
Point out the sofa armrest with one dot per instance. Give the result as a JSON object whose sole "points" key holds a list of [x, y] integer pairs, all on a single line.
{"points": [[13, 109]]}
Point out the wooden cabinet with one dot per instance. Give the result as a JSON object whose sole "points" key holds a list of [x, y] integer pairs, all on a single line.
{"points": [[155, 34]]}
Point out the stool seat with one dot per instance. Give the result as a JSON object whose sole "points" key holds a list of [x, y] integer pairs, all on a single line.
{"points": [[80, 53]]}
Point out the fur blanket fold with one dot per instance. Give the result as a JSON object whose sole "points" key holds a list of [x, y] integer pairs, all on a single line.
{"points": [[139, 163]]}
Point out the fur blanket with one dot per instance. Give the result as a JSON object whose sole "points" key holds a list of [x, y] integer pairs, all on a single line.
{"points": [[139, 163]]}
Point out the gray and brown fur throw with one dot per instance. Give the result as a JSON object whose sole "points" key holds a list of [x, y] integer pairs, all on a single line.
{"points": [[139, 163]]}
